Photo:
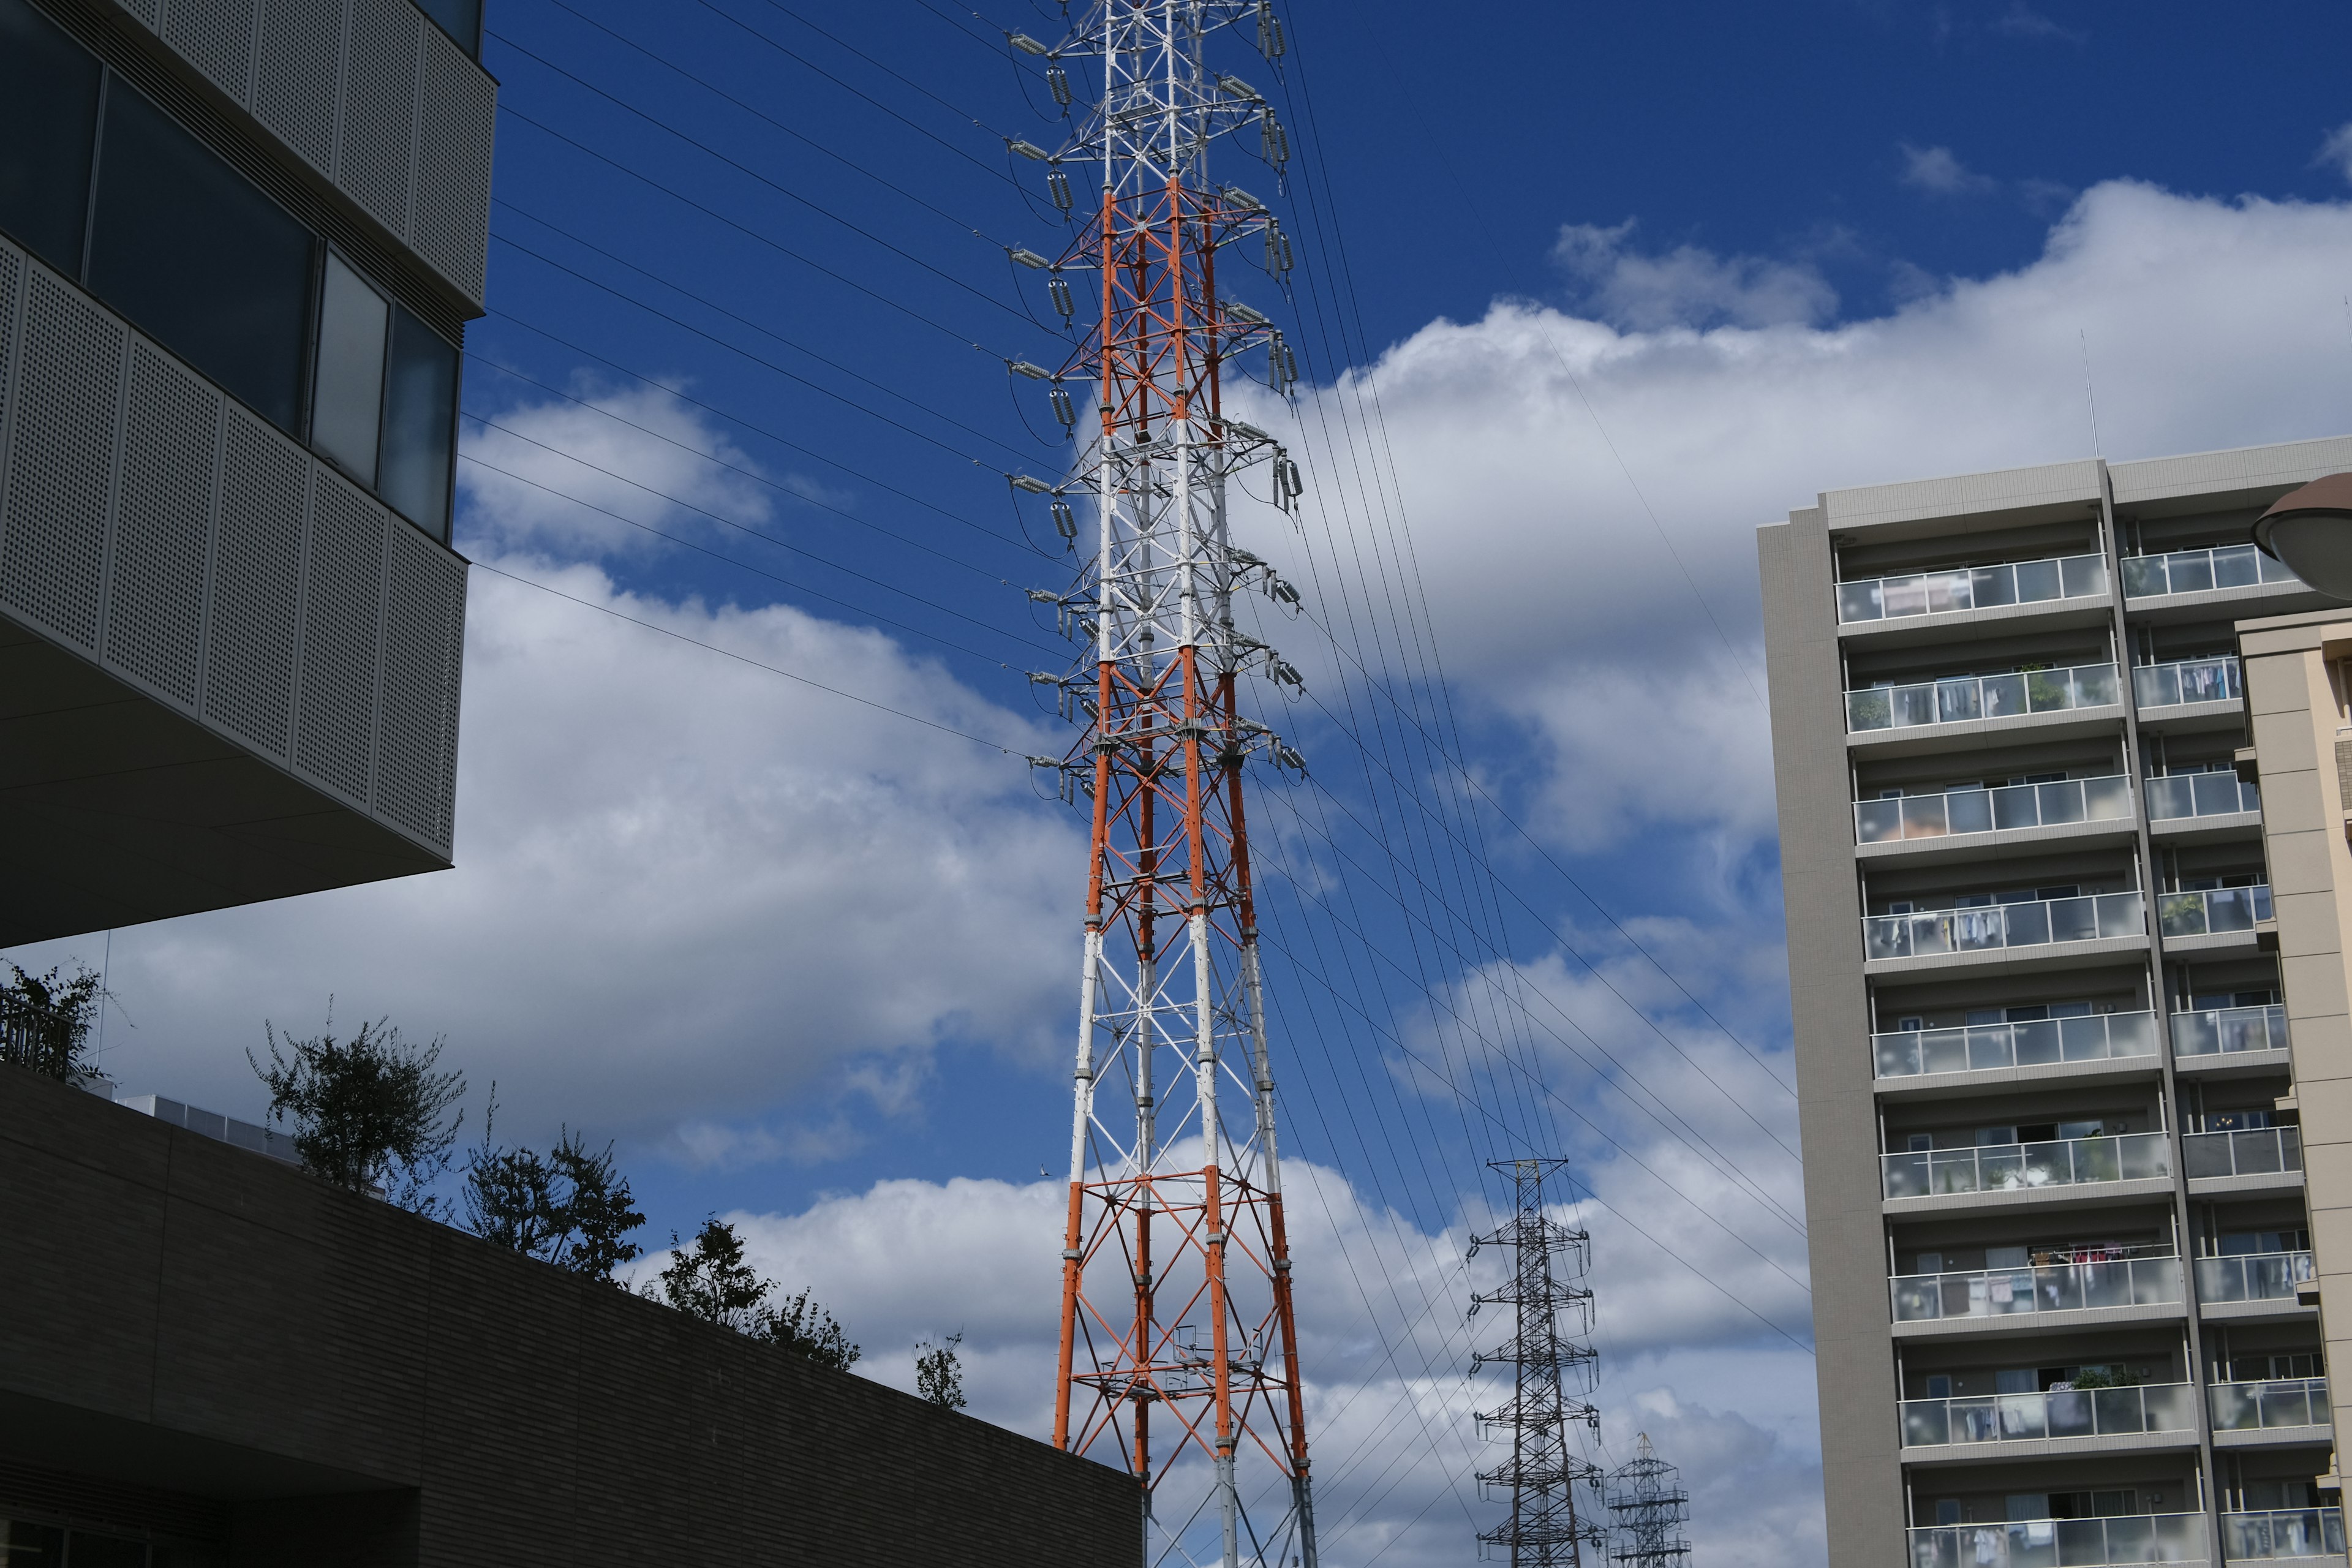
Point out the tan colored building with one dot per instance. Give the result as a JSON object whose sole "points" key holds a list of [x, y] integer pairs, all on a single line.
{"points": [[2067, 981]]}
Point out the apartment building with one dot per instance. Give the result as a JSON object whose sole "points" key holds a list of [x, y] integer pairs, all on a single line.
{"points": [[239, 240], [2048, 1009]]}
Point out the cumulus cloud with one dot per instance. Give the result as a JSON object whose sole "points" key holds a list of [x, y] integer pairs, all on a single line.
{"points": [[1687, 286], [1936, 170]]}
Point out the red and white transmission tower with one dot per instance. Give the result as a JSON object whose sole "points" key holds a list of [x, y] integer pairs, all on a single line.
{"points": [[1179, 1346]]}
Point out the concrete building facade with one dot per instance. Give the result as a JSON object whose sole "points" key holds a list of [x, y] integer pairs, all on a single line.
{"points": [[239, 240], [2049, 1024]]}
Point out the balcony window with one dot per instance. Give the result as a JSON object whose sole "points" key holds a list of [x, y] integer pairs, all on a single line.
{"points": [[2216, 792], [1956, 811], [2020, 1166], [2037, 1042], [1972, 588], [2246, 1151], [2187, 682], [2036, 923], [2096, 1542], [2212, 911], [2268, 1275], [2055, 1286], [49, 123], [1957, 698], [2285, 1533], [2200, 571], [2052, 1414]]}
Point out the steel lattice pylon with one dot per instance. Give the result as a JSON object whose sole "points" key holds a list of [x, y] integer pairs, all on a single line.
{"points": [[1647, 1497], [1178, 1349], [1541, 1477]]}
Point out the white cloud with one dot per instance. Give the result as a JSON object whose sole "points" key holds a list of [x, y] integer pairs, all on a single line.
{"points": [[1935, 169], [2023, 21], [2336, 149], [1686, 286]]}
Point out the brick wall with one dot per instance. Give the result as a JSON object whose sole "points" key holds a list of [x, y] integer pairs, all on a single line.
{"points": [[355, 1385]]}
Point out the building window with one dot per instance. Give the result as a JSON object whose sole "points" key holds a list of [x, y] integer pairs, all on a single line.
{"points": [[385, 406], [49, 122], [420, 423], [346, 411], [188, 248], [461, 19]]}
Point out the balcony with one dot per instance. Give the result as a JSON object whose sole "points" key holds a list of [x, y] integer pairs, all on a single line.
{"points": [[2179, 803], [2220, 1039], [1967, 698], [1993, 929], [1996, 1168], [1960, 589], [2056, 1414], [2034, 1043], [2214, 917], [2011, 808], [2198, 693], [2225, 568], [2120, 1539], [2285, 1533], [2288, 1407], [2256, 1157], [2252, 1277], [2020, 1295]]}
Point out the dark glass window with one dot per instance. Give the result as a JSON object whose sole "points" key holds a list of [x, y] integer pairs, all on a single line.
{"points": [[48, 115], [420, 423], [212, 268], [461, 19], [87, 1550], [33, 1546]]}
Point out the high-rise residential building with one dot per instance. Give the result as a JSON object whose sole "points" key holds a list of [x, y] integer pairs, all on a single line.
{"points": [[2065, 968], [239, 240]]}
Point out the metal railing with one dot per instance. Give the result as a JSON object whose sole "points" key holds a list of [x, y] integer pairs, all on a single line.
{"points": [[2283, 1533], [2038, 1288], [2282, 1401], [2037, 922], [1960, 811], [2114, 1540], [2187, 680], [1961, 696], [2220, 1030], [2038, 1042], [1971, 588], [2253, 1276], [2198, 571], [2016, 1167], [2256, 1152], [2056, 1413], [2176, 795], [2215, 911]]}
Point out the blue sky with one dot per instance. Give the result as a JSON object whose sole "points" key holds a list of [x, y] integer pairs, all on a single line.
{"points": [[1584, 294]]}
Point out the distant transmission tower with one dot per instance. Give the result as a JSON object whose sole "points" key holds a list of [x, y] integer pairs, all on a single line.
{"points": [[1178, 1349], [1542, 1476], [1647, 1497]]}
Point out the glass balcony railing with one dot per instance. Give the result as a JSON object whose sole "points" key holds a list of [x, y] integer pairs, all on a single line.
{"points": [[2108, 1542], [2015, 1167], [1985, 927], [2187, 680], [2040, 1288], [1972, 588], [2197, 571], [2253, 1276], [2039, 1042], [2220, 1030], [1961, 696], [2256, 1152], [2058, 1413], [2287, 1402], [2215, 911], [2285, 1533], [2177, 796], [1963, 811]]}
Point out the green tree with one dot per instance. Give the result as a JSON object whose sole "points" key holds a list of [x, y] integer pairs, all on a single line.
{"points": [[939, 1372], [45, 1020], [570, 1207], [711, 1280], [370, 1113]]}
